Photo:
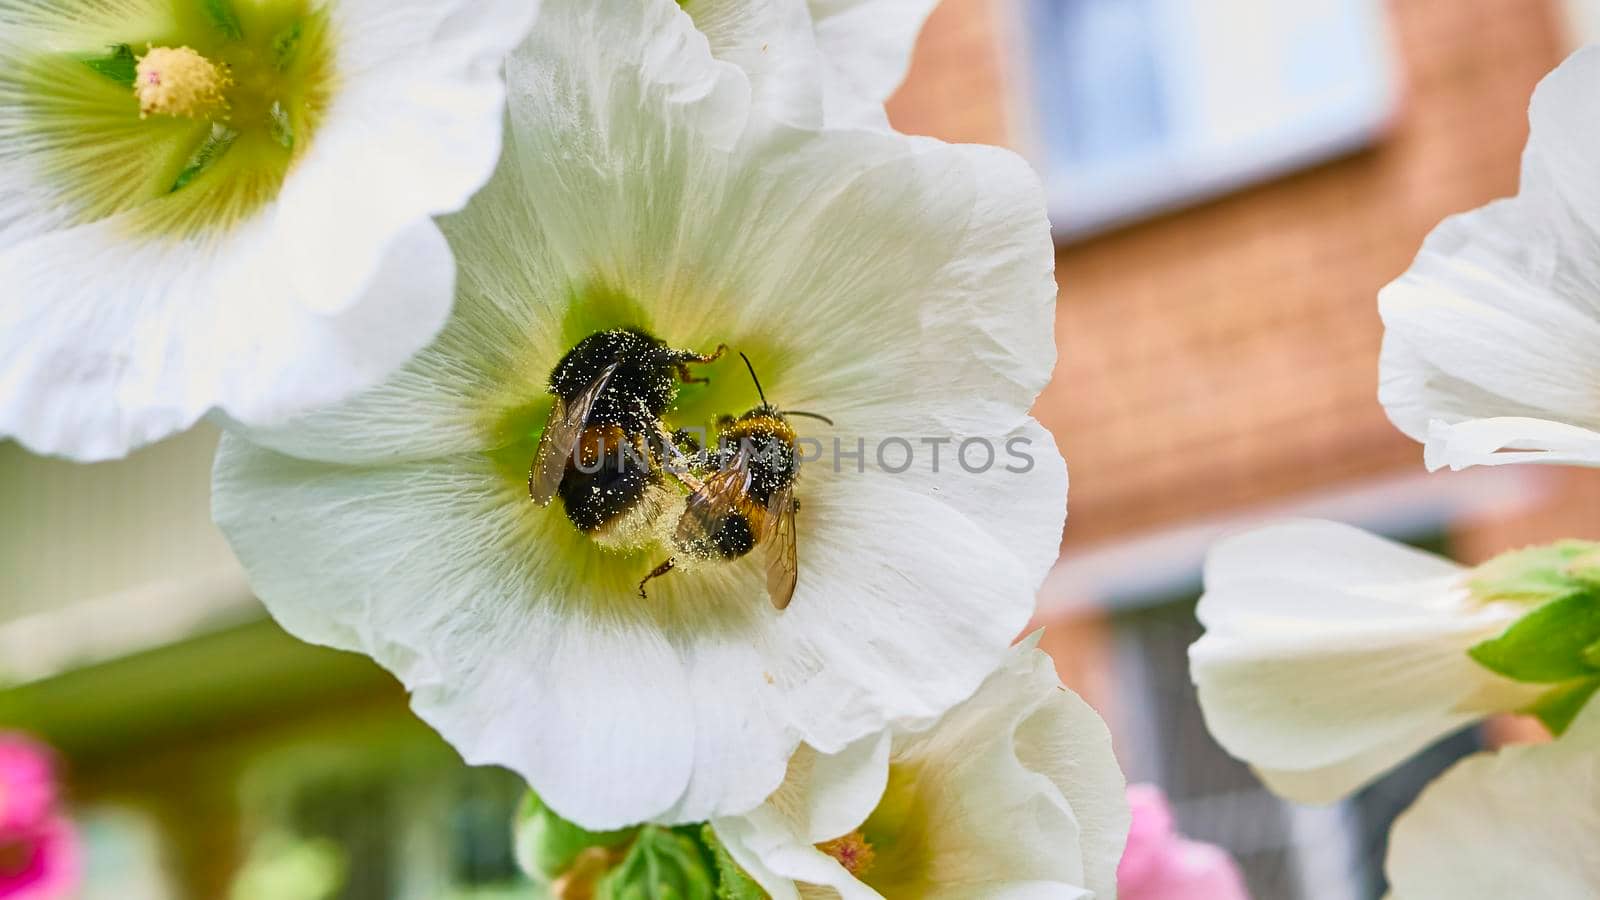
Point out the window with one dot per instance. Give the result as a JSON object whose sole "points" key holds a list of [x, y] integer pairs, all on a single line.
{"points": [[1144, 105]]}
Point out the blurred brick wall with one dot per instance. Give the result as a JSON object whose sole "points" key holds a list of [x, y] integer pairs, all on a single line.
{"points": [[1227, 355]]}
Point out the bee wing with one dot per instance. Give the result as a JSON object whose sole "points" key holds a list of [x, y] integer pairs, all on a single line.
{"points": [[708, 507], [561, 433], [783, 561]]}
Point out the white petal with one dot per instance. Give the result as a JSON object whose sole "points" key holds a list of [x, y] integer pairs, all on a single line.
{"points": [[1517, 823], [192, 327], [870, 41], [845, 786], [412, 131], [476, 371], [1498, 441], [739, 727], [823, 796], [1331, 655], [1497, 316], [773, 42], [1018, 795], [1024, 788], [908, 605], [830, 62], [408, 564]]}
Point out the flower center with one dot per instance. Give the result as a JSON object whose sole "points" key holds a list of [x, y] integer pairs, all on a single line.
{"points": [[179, 82], [852, 851], [16, 856], [192, 135]]}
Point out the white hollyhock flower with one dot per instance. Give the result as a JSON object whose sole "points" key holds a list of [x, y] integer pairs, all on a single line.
{"points": [[226, 204], [1015, 793], [1331, 655], [901, 287], [1517, 823], [1490, 351], [816, 61]]}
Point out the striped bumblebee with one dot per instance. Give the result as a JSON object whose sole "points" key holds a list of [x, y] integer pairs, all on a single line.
{"points": [[600, 448], [744, 498]]}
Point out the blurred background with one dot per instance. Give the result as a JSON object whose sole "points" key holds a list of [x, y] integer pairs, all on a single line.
{"points": [[1231, 182]]}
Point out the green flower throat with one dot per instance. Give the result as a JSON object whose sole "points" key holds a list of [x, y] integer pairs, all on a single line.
{"points": [[188, 119]]}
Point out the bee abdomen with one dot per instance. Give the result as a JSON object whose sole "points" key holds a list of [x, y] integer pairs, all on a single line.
{"points": [[735, 537], [595, 499]]}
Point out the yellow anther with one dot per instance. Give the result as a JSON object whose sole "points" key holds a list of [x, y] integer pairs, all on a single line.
{"points": [[852, 851], [179, 82]]}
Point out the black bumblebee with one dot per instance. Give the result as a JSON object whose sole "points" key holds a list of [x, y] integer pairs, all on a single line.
{"points": [[746, 497], [599, 449]]}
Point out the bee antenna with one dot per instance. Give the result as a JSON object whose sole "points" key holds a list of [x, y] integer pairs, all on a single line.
{"points": [[808, 415], [747, 364]]}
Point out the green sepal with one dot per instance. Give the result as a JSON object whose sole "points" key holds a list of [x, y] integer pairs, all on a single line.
{"points": [[662, 865], [1551, 644], [120, 65], [286, 44], [1538, 574], [217, 143], [282, 129], [1557, 707], [732, 882], [547, 845], [224, 18]]}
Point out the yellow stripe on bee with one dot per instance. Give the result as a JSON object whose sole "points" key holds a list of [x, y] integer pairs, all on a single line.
{"points": [[751, 427]]}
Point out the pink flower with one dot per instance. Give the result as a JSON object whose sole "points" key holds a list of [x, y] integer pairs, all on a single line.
{"points": [[27, 783], [40, 863], [1160, 864]]}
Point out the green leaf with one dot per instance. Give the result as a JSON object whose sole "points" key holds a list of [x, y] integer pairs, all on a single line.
{"points": [[224, 18], [732, 882], [120, 65], [1557, 707], [547, 845], [1538, 574], [1549, 645], [662, 865]]}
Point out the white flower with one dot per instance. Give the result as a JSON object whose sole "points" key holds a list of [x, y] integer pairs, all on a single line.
{"points": [[226, 204], [1490, 354], [816, 61], [1331, 655], [1013, 794], [1517, 823], [901, 287]]}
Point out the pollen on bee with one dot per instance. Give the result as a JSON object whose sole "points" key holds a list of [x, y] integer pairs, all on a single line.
{"points": [[179, 82]]}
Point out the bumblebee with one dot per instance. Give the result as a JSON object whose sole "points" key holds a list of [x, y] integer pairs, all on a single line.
{"points": [[746, 497], [600, 447]]}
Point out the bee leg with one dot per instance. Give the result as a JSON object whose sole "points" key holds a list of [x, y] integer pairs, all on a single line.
{"points": [[686, 378], [686, 441], [657, 572], [676, 460], [698, 359]]}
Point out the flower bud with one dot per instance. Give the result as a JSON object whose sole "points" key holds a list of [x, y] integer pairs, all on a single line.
{"points": [[662, 865], [551, 849], [1538, 574]]}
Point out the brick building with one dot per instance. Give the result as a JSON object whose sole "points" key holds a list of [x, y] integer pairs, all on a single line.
{"points": [[1218, 365]]}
